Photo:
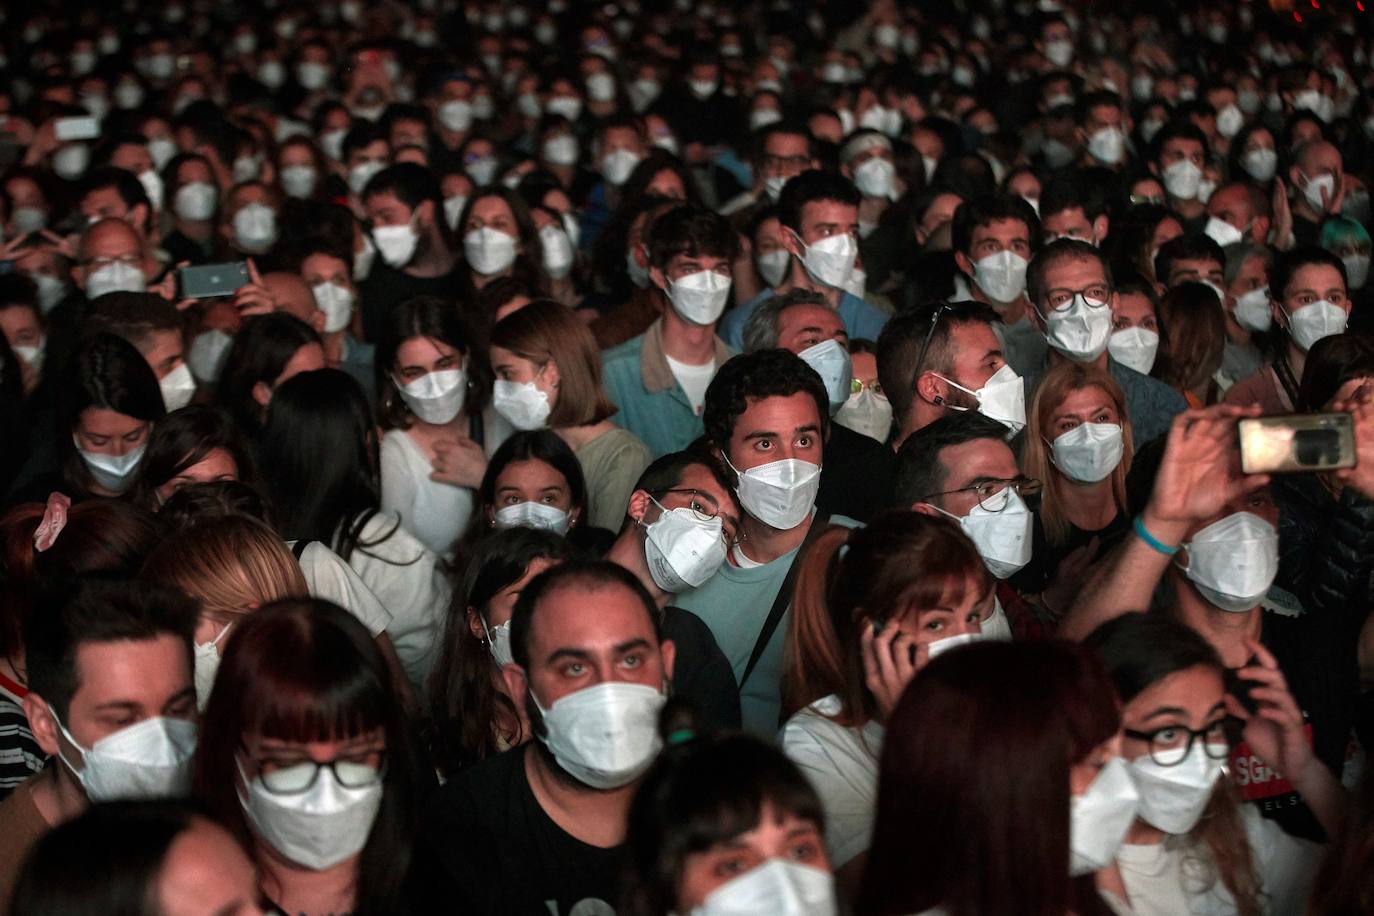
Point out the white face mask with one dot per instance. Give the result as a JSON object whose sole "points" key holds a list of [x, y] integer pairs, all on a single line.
{"points": [[33, 356], [498, 642], [51, 291], [681, 549], [318, 828], [70, 161], [1252, 310], [115, 277], [617, 165], [781, 493], [773, 185], [196, 201], [1135, 348], [1173, 798], [113, 472], [178, 387], [28, 219], [703, 89], [1222, 232], [455, 115], [1182, 179], [1059, 51], [558, 251], [534, 515], [638, 273], [207, 666], [1316, 320], [435, 397], [941, 646], [1002, 398], [832, 363], [1229, 121], [830, 260], [605, 736], [336, 302], [773, 266], [1233, 561], [255, 228], [489, 251], [1002, 276], [877, 178], [699, 297], [1080, 331], [1100, 817], [298, 180], [207, 354], [396, 244], [1002, 536], [1356, 269], [524, 404], [362, 173], [777, 887], [561, 149], [1088, 452], [568, 106], [1319, 191], [149, 759], [858, 283], [482, 170], [867, 413], [1107, 145]]}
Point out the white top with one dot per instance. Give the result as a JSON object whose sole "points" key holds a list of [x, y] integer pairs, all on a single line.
{"points": [[842, 765], [436, 513], [406, 577], [327, 576], [693, 379], [1163, 879]]}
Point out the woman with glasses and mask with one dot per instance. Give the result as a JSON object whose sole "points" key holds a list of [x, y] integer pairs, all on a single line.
{"points": [[871, 606], [303, 755], [1078, 442], [1195, 847]]}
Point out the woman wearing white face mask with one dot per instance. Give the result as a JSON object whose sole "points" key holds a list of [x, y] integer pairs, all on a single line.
{"points": [[302, 169], [871, 606], [108, 403], [548, 374], [440, 429], [1254, 155], [193, 201], [1310, 301], [1051, 753], [1192, 342], [250, 219], [559, 255], [325, 809], [726, 826], [499, 239], [231, 566], [473, 714], [1194, 846], [1078, 441]]}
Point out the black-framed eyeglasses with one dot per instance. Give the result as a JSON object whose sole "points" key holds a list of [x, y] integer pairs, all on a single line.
{"points": [[925, 344], [993, 495], [296, 778], [704, 506], [1169, 746], [1095, 296]]}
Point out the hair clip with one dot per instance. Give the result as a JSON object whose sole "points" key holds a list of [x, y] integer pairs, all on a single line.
{"points": [[54, 520]]}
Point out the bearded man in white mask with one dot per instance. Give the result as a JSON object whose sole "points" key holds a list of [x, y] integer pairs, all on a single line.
{"points": [[994, 237], [819, 213], [1071, 297], [541, 828], [107, 646]]}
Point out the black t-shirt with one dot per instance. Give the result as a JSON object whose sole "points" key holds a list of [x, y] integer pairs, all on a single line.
{"points": [[385, 288], [1037, 575], [499, 852], [856, 475], [701, 673]]}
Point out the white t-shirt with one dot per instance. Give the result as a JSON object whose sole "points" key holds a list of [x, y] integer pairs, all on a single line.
{"points": [[693, 379], [405, 576], [327, 576], [1162, 881], [842, 765], [436, 513]]}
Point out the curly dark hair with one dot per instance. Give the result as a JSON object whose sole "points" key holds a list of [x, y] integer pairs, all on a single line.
{"points": [[752, 376]]}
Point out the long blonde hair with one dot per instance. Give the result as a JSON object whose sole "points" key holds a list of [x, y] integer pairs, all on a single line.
{"points": [[1058, 384], [230, 565]]}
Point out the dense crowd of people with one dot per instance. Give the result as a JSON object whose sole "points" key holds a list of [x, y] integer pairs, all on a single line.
{"points": [[662, 457]]}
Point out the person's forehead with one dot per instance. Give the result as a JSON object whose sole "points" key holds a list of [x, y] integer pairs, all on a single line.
{"points": [[807, 315], [781, 143], [1184, 145], [110, 236], [777, 413], [1133, 303], [968, 461], [1197, 265], [1001, 229], [590, 617], [829, 211], [1315, 276], [1061, 270], [142, 670]]}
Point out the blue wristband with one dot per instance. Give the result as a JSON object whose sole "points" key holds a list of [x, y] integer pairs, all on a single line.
{"points": [[1153, 542]]}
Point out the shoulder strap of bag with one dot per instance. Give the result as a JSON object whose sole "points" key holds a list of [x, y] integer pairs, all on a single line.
{"points": [[299, 548], [784, 598]]}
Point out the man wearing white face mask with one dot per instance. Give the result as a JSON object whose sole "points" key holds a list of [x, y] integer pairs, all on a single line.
{"points": [[414, 257], [993, 237], [1317, 179], [619, 146], [541, 828], [659, 378], [155, 327], [1211, 534], [323, 295], [782, 150], [1309, 301], [1073, 205], [857, 471], [1238, 211], [819, 213], [680, 523], [961, 467], [1180, 155], [946, 358], [1103, 127], [1071, 298], [250, 219], [103, 647]]}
